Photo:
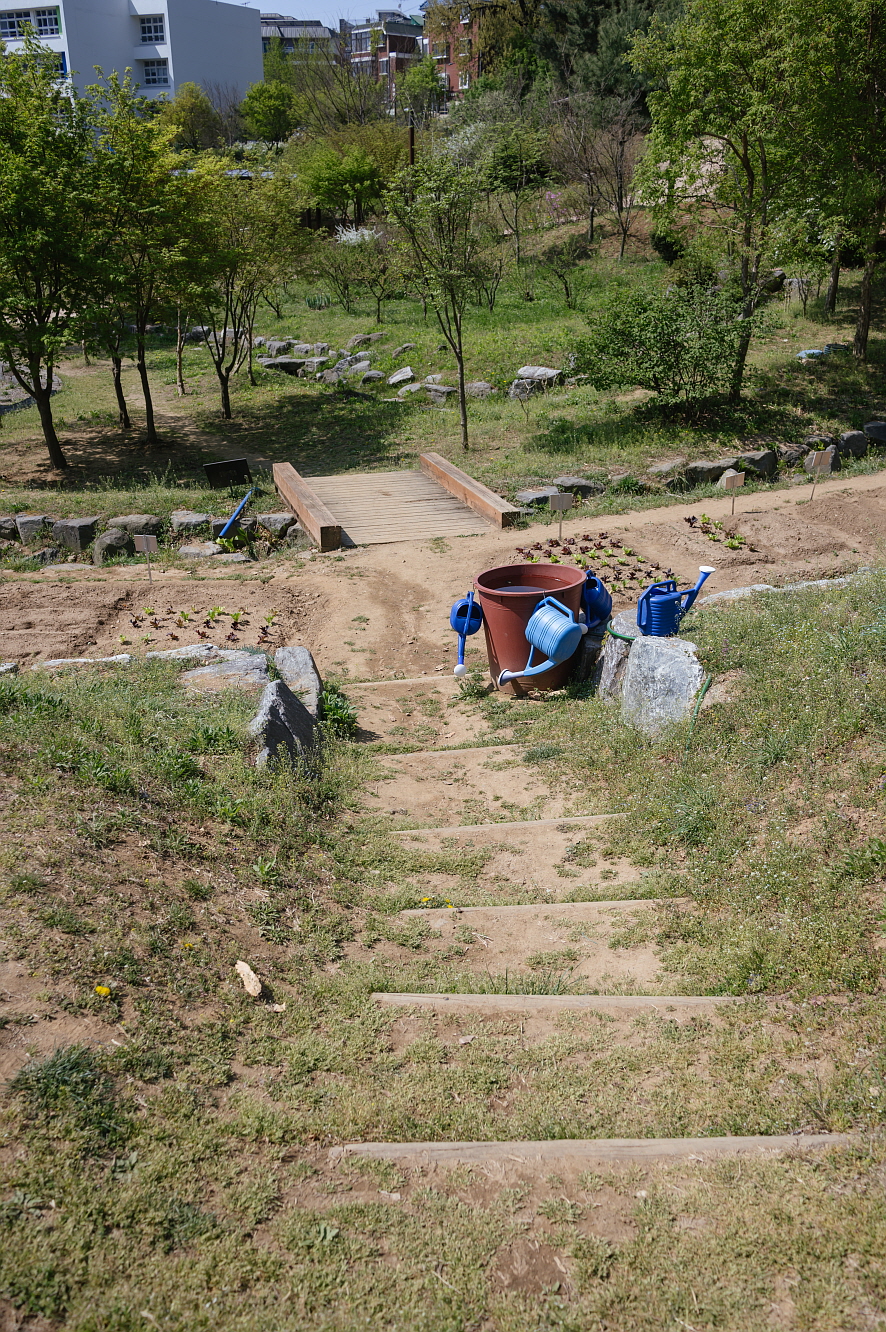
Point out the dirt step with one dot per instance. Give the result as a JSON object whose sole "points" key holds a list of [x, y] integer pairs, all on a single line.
{"points": [[566, 822], [585, 1149], [491, 1005], [414, 712], [580, 939], [458, 785]]}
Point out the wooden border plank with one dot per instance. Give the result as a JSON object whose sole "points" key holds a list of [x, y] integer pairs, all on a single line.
{"points": [[307, 506], [476, 496]]}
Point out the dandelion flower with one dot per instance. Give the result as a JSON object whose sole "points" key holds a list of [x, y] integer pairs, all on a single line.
{"points": [[102, 990]]}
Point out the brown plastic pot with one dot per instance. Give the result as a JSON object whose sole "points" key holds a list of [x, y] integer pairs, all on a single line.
{"points": [[508, 596]]}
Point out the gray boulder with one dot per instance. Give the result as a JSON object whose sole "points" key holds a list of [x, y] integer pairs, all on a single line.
{"points": [[321, 349], [831, 464], [218, 525], [541, 374], [613, 658], [727, 475], [440, 393], [408, 389], [524, 388], [401, 351], [289, 365], [763, 462], [141, 524], [259, 342], [235, 668], [31, 525], [329, 377], [537, 498], [279, 346], [404, 376], [278, 524], [819, 441], [196, 650], [433, 379], [371, 377], [355, 371], [199, 550], [358, 340], [661, 681], [55, 663], [8, 668], [48, 555], [359, 358], [8, 530], [791, 455], [478, 388], [875, 431], [185, 520], [283, 725], [377, 337], [704, 472], [74, 533], [311, 366], [853, 443], [579, 485], [302, 349], [298, 669], [236, 557], [665, 468], [112, 542]]}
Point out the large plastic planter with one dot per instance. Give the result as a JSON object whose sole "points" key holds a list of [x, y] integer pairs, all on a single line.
{"points": [[508, 596]]}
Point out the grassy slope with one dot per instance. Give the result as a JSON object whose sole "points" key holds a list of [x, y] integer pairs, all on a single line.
{"points": [[324, 430], [182, 1171]]}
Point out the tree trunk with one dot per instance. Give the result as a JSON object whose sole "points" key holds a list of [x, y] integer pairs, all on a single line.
{"points": [[462, 400], [250, 373], [43, 399], [830, 300], [122, 408], [223, 379], [592, 213], [179, 355], [150, 426], [863, 323], [741, 357]]}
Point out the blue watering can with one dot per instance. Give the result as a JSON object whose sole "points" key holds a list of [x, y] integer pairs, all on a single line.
{"points": [[661, 607], [596, 601], [466, 618], [553, 631]]}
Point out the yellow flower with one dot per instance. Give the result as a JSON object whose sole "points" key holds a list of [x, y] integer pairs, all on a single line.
{"points": [[185, 944], [102, 990]]}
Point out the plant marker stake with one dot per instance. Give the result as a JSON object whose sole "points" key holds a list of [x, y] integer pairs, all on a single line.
{"points": [[732, 483], [558, 504], [146, 544], [821, 462]]}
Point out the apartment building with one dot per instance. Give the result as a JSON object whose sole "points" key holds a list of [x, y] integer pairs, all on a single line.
{"points": [[385, 47], [164, 42], [297, 36], [454, 47]]}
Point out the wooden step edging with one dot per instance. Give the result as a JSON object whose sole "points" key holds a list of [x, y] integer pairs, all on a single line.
{"points": [[518, 823], [584, 1149], [472, 493], [530, 1004], [555, 908], [307, 506]]}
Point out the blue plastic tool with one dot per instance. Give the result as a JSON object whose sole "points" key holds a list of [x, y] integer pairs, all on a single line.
{"points": [[552, 631], [465, 618], [231, 524], [662, 607], [596, 601]]}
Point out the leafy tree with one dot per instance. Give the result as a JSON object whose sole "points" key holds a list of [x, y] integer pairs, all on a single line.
{"points": [[50, 197], [585, 44], [254, 244], [192, 117], [329, 93], [514, 171], [346, 184], [148, 235], [720, 145], [679, 344], [421, 90], [436, 206], [270, 111]]}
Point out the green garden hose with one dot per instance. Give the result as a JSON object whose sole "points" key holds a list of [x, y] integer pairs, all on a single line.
{"points": [[706, 684], [624, 637]]}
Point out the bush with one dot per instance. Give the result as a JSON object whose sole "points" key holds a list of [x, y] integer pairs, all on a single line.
{"points": [[680, 344]]}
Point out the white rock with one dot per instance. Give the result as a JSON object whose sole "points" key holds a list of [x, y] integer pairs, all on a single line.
{"points": [[404, 376], [251, 982], [661, 681]]}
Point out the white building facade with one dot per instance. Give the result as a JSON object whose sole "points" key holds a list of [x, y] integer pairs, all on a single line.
{"points": [[164, 42]]}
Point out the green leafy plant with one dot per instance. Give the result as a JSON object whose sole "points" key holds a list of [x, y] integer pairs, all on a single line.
{"points": [[336, 712]]}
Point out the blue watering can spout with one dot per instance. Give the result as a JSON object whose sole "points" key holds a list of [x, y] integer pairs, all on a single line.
{"points": [[552, 631], [662, 607]]}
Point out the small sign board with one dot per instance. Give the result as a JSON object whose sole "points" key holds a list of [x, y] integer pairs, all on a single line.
{"points": [[146, 545], [233, 472], [561, 502], [821, 462], [733, 482]]}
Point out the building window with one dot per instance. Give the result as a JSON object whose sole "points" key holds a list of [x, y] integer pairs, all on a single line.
{"points": [[383, 66], [464, 48], [47, 22], [464, 80], [361, 41], [153, 29], [156, 73], [440, 50], [12, 26]]}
